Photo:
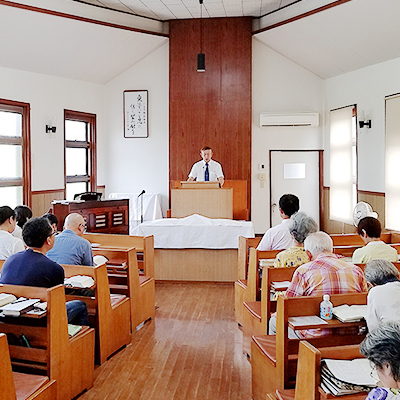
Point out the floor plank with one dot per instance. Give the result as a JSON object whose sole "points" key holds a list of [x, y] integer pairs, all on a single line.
{"points": [[192, 350]]}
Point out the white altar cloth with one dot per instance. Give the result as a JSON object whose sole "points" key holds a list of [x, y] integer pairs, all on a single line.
{"points": [[151, 207], [195, 232]]}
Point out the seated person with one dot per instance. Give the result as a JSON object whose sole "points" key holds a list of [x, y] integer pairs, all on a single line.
{"points": [[52, 219], [32, 268], [206, 169], [22, 214], [382, 348], [384, 296], [369, 228], [279, 237], [326, 273], [9, 244], [301, 225], [70, 247]]}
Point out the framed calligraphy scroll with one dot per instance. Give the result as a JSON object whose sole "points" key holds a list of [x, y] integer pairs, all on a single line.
{"points": [[135, 114]]}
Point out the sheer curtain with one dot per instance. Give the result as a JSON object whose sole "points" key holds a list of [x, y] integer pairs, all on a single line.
{"points": [[343, 195]]}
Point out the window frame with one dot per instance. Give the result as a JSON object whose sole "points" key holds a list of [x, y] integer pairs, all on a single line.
{"points": [[25, 142], [89, 145]]}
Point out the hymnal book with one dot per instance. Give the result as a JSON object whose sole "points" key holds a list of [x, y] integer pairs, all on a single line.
{"points": [[79, 281], [99, 260], [266, 262], [18, 307], [6, 298], [73, 329], [283, 285], [353, 313], [341, 377]]}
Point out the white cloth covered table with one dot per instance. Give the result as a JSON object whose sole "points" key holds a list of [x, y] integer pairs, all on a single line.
{"points": [[151, 207], [195, 232]]}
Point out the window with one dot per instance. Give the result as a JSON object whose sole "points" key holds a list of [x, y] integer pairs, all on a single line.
{"points": [[80, 153], [15, 179], [392, 181], [343, 164]]}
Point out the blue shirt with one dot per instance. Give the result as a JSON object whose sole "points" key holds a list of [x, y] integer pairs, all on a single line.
{"points": [[69, 248], [30, 268]]}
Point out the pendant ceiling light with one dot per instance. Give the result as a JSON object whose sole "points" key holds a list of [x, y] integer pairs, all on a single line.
{"points": [[201, 57]]}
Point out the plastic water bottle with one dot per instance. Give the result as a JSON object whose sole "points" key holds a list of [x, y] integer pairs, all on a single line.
{"points": [[325, 308]]}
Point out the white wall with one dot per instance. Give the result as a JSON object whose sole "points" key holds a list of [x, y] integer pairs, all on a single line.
{"points": [[367, 88], [130, 165], [279, 85], [48, 97]]}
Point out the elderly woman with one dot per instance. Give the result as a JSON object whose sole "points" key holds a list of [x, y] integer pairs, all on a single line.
{"points": [[22, 215], [384, 297], [382, 348], [369, 229], [301, 225]]}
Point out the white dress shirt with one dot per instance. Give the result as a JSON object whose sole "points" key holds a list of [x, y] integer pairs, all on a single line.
{"points": [[277, 237], [9, 245], [199, 168]]}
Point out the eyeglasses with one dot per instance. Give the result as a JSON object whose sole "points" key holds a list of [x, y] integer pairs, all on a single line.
{"points": [[53, 233], [84, 226], [373, 374]]}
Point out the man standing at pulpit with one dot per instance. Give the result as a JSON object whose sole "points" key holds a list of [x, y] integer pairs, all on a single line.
{"points": [[206, 169]]}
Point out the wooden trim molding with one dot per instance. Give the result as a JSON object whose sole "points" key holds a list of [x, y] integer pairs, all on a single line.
{"points": [[78, 18], [301, 16]]}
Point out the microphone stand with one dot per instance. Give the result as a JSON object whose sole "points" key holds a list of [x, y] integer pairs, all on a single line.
{"points": [[141, 205]]}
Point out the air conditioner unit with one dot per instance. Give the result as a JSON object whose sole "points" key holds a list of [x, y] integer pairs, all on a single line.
{"points": [[292, 119]]}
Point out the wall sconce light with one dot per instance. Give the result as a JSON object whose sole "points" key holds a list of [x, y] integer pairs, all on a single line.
{"points": [[201, 57], [51, 129], [365, 124]]}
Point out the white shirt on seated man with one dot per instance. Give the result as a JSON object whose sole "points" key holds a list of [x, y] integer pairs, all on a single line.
{"points": [[279, 237], [9, 244]]}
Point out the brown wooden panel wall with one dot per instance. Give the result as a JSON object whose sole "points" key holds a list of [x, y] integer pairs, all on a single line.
{"points": [[214, 107]]}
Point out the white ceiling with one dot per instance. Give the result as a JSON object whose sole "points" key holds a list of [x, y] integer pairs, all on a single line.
{"points": [[181, 9], [341, 39]]}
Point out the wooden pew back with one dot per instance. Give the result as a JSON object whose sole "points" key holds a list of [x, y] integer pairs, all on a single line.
{"points": [[143, 245], [111, 322], [303, 306], [69, 361], [243, 254], [140, 290]]}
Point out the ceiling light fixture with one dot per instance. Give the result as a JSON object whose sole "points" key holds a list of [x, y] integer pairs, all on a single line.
{"points": [[201, 57]]}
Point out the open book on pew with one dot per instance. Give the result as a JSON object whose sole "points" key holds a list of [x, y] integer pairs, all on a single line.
{"points": [[6, 298], [353, 313], [18, 307], [340, 377], [79, 281], [38, 310]]}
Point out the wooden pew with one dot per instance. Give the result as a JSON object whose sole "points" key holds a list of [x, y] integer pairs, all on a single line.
{"points": [[144, 247], [69, 361], [308, 376], [110, 316], [1, 264], [18, 386], [140, 289], [249, 289], [256, 314], [274, 358]]}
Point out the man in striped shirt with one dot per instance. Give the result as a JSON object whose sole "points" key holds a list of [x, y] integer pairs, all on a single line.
{"points": [[326, 273]]}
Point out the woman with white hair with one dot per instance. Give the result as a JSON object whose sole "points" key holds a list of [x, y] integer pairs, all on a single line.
{"points": [[384, 296], [301, 225], [382, 348]]}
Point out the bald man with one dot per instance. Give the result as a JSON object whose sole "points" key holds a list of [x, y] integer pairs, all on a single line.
{"points": [[70, 247]]}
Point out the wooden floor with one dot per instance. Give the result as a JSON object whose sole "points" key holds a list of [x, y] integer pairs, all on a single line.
{"points": [[192, 350]]}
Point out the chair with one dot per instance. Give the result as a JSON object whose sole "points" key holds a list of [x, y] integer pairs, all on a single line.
{"points": [[18, 386], [274, 358], [109, 315], [126, 280], [69, 361]]}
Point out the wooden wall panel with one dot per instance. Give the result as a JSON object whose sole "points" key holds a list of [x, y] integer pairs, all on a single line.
{"points": [[41, 200], [377, 201], [214, 107]]}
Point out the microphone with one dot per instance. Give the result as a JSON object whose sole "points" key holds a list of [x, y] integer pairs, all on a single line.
{"points": [[142, 192]]}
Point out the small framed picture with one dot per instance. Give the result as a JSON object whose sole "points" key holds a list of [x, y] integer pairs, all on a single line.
{"points": [[135, 114]]}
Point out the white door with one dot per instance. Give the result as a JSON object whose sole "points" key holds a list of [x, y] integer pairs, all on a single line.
{"points": [[295, 172]]}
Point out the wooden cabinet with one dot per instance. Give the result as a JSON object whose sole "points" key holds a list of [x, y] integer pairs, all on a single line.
{"points": [[104, 216]]}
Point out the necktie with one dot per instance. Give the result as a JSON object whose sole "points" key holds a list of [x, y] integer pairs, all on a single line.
{"points": [[206, 174]]}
